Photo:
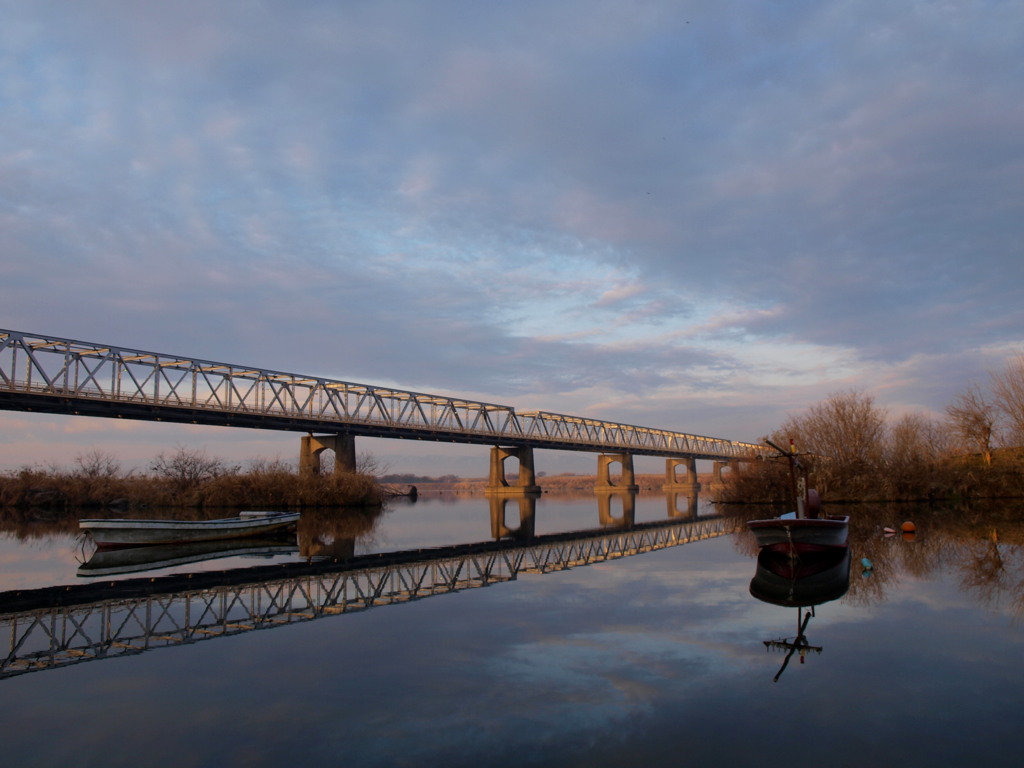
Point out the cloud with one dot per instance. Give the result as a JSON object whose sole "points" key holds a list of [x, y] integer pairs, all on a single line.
{"points": [[577, 204]]}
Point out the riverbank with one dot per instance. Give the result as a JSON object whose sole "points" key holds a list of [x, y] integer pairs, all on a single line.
{"points": [[271, 487], [952, 479]]}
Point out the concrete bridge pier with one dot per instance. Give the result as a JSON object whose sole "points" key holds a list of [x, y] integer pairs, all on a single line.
{"points": [[527, 518], [497, 485], [604, 509], [344, 447], [604, 477], [718, 466], [672, 480], [674, 499]]}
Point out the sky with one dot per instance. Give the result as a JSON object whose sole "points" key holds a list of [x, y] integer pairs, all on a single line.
{"points": [[702, 216]]}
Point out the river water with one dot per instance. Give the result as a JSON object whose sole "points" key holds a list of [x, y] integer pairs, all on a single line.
{"points": [[582, 655]]}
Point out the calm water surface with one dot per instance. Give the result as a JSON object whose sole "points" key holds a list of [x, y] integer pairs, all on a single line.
{"points": [[653, 659]]}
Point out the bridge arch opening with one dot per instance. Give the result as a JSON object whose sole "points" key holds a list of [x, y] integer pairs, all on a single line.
{"points": [[315, 450], [526, 482], [678, 481], [627, 477]]}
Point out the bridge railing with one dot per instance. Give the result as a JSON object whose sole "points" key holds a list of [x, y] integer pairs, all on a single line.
{"points": [[63, 368]]}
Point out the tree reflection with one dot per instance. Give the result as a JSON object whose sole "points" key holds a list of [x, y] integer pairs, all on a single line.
{"points": [[983, 544]]}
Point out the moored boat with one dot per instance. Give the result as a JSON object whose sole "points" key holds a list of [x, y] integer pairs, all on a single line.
{"points": [[797, 535], [805, 530], [133, 533]]}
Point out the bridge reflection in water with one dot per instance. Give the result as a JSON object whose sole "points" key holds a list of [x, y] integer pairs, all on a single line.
{"points": [[58, 626], [607, 502]]}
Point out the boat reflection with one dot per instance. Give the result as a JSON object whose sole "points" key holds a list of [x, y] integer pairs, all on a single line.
{"points": [[109, 562], [803, 583]]}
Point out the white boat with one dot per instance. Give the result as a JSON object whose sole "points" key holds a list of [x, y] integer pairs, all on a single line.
{"points": [[134, 533]]}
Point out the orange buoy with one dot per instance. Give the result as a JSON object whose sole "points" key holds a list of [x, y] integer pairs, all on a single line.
{"points": [[908, 527]]}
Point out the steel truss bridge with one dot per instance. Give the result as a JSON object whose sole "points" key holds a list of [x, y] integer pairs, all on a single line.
{"points": [[56, 375], [58, 626]]}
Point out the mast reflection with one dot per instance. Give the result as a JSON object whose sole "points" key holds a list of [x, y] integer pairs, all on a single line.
{"points": [[803, 583]]}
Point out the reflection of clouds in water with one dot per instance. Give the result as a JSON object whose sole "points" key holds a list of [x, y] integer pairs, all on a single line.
{"points": [[24, 563], [609, 675], [613, 664]]}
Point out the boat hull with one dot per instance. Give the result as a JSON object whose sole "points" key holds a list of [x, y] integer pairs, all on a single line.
{"points": [[136, 533], [802, 535]]}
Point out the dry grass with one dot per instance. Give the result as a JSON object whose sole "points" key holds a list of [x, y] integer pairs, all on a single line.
{"points": [[269, 486]]}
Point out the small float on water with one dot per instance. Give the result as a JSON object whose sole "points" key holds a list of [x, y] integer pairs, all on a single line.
{"points": [[122, 532], [804, 530]]}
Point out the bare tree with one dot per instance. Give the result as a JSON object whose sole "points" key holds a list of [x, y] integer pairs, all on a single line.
{"points": [[847, 428], [844, 436], [1008, 390], [189, 466], [914, 446], [972, 419]]}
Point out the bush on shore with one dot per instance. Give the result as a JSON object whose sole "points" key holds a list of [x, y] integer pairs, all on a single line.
{"points": [[853, 453], [96, 483]]}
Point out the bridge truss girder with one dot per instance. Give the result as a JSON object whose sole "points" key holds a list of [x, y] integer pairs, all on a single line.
{"points": [[57, 375]]}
